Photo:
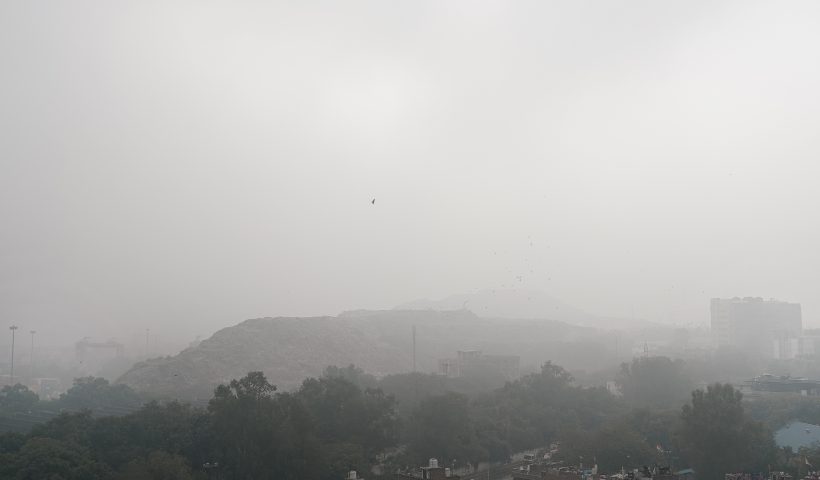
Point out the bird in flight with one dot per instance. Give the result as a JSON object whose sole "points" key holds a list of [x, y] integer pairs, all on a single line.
{"points": [[373, 202]]}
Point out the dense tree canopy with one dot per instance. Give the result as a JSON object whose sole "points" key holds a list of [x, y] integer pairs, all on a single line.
{"points": [[654, 382], [97, 394], [441, 428], [17, 398], [343, 421], [611, 447], [717, 437]]}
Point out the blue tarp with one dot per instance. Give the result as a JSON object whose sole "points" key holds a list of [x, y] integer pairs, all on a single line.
{"points": [[797, 434]]}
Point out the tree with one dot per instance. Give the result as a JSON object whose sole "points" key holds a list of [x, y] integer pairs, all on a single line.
{"points": [[47, 458], [352, 374], [11, 442], [441, 428], [69, 427], [717, 437], [17, 398], [612, 447], [174, 428], [537, 408], [99, 396], [654, 381], [259, 434], [345, 413], [245, 417], [158, 465], [655, 427]]}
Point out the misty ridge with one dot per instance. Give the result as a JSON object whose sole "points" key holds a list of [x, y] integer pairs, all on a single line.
{"points": [[428, 240]]}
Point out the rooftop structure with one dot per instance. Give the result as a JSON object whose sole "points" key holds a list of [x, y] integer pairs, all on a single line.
{"points": [[431, 472], [783, 384]]}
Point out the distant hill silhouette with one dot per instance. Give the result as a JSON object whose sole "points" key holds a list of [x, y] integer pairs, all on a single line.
{"points": [[290, 349], [522, 304]]}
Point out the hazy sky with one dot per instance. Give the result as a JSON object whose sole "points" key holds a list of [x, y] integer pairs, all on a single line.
{"points": [[186, 165]]}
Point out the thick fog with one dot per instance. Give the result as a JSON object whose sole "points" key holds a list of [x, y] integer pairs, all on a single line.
{"points": [[182, 166]]}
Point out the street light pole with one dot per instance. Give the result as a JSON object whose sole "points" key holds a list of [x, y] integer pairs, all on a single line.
{"points": [[13, 328]]}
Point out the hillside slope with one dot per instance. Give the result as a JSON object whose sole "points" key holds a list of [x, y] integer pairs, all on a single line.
{"points": [[289, 350], [524, 304]]}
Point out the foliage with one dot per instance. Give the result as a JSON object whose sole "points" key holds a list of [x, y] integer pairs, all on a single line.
{"points": [[48, 458], [352, 374], [654, 382], [611, 447], [342, 421], [345, 413], [409, 389], [20, 408], [717, 437], [525, 414], [535, 409], [440, 427], [99, 396], [777, 411], [17, 398], [158, 465], [655, 427], [253, 430]]}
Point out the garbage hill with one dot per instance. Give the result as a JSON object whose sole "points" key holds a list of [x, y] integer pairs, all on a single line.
{"points": [[288, 350]]}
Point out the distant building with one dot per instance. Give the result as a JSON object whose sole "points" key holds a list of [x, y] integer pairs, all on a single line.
{"points": [[468, 362], [766, 327], [46, 388], [768, 383], [431, 472]]}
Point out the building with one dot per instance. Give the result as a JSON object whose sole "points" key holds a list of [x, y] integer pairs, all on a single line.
{"points": [[784, 384], [766, 327], [469, 362], [431, 472]]}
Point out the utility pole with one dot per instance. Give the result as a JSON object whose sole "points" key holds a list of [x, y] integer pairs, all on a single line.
{"points": [[13, 328], [31, 359], [414, 349]]}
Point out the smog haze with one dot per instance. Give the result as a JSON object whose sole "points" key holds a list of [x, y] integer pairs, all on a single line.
{"points": [[183, 166]]}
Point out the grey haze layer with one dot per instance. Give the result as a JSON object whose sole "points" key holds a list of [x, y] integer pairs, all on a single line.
{"points": [[178, 165]]}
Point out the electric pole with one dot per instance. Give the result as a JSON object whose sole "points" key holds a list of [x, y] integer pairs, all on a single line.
{"points": [[13, 328], [414, 349]]}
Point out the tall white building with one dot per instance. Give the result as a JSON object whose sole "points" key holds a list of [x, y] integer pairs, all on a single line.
{"points": [[765, 327]]}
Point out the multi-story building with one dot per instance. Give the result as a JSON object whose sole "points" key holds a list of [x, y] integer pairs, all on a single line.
{"points": [[764, 327]]}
